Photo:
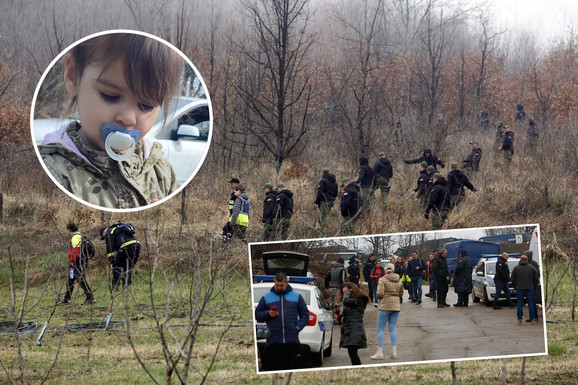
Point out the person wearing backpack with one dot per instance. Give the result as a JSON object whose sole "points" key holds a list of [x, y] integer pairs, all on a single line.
{"points": [[122, 250], [81, 249]]}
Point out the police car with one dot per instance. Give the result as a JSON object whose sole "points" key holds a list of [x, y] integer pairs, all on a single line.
{"points": [[483, 278], [316, 338]]}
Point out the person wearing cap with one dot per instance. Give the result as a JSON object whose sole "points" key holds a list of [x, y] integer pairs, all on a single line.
{"points": [[284, 211], [463, 279], [508, 145], [349, 205], [440, 270], [269, 233], [367, 181], [525, 280], [457, 183], [353, 270], [472, 161], [389, 292], [439, 202], [429, 158], [326, 195], [383, 172], [421, 191]]}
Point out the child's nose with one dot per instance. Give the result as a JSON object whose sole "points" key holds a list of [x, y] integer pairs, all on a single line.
{"points": [[126, 117]]}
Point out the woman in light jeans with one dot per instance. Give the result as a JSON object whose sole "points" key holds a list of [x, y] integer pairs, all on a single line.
{"points": [[389, 291]]}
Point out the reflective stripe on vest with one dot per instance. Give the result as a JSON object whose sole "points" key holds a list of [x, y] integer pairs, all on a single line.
{"points": [[127, 243], [231, 204]]}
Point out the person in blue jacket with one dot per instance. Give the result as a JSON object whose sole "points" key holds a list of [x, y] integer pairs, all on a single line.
{"points": [[286, 314]]}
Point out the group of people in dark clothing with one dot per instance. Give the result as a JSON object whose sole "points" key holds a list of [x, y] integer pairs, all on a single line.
{"points": [[386, 283]]}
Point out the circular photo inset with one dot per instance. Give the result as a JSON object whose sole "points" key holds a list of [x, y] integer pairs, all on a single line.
{"points": [[121, 120]]}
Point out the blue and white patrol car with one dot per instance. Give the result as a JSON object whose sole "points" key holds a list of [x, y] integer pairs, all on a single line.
{"points": [[483, 279], [316, 338]]}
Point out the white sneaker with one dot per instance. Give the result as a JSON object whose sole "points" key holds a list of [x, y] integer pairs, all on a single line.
{"points": [[379, 354], [375, 304]]}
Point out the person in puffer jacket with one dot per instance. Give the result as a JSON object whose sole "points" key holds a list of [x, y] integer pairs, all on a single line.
{"points": [[525, 280], [286, 314]]}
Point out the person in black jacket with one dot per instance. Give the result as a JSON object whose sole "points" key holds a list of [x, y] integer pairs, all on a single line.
{"points": [[367, 181], [421, 191], [269, 233], [367, 268], [326, 194], [354, 271], [463, 279], [349, 205], [383, 173], [521, 114], [472, 161], [440, 270], [457, 183], [525, 280], [439, 202], [429, 158], [352, 329], [284, 210], [507, 145], [122, 250], [501, 279]]}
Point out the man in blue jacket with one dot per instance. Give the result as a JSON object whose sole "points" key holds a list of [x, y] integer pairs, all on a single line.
{"points": [[415, 267], [286, 314]]}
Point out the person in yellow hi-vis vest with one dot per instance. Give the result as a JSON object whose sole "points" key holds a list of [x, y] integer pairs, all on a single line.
{"points": [[122, 250], [240, 216], [406, 280], [78, 266]]}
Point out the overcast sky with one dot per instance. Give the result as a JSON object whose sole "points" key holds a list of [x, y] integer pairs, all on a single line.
{"points": [[547, 20]]}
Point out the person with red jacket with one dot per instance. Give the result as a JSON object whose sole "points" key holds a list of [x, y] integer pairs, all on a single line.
{"points": [[78, 266], [376, 274]]}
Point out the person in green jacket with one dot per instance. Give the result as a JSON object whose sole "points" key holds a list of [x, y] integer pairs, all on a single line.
{"points": [[118, 83]]}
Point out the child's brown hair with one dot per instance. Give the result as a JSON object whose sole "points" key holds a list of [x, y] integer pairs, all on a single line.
{"points": [[152, 69]]}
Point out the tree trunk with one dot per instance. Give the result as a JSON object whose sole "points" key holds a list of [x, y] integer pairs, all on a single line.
{"points": [[453, 368], [1, 206]]}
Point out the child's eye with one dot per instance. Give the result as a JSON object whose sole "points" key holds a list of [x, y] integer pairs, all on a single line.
{"points": [[146, 107], [109, 98]]}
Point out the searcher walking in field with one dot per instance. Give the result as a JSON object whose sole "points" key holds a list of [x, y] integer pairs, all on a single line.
{"points": [[122, 250], [78, 256]]}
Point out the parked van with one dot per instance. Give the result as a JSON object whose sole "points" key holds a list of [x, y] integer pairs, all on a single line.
{"points": [[474, 248]]}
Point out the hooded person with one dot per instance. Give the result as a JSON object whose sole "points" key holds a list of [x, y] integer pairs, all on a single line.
{"points": [[367, 181], [439, 202], [350, 205], [383, 173], [429, 158], [326, 194], [457, 183], [463, 279], [284, 209]]}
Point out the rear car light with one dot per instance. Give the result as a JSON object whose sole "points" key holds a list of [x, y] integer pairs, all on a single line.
{"points": [[312, 319]]}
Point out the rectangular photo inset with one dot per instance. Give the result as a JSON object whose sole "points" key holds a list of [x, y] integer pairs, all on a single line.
{"points": [[400, 298]]}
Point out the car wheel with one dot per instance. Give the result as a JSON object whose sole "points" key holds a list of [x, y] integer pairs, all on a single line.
{"points": [[317, 358], [327, 352], [474, 298], [487, 299]]}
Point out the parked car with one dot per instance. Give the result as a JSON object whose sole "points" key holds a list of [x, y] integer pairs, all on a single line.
{"points": [[184, 134], [316, 338], [483, 278]]}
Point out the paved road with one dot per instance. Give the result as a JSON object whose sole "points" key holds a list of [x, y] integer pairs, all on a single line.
{"points": [[427, 333]]}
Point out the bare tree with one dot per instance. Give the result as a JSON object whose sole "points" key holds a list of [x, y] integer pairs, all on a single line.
{"points": [[279, 103]]}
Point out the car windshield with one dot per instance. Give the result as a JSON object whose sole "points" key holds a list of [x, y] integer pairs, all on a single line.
{"points": [[491, 267], [258, 292]]}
